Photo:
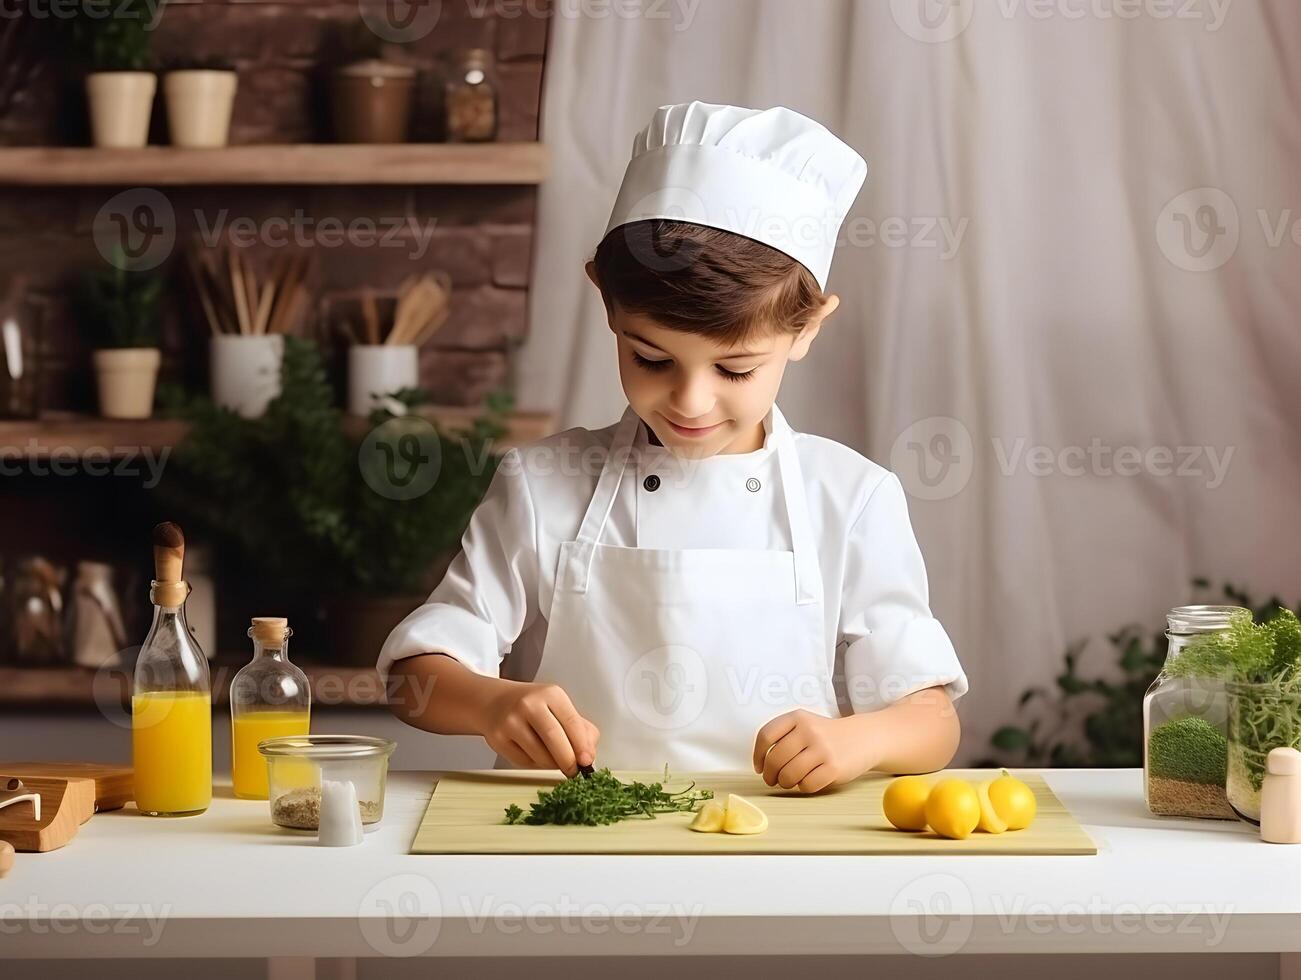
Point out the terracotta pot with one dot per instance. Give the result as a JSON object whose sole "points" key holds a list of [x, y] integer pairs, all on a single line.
{"points": [[121, 103], [372, 102], [126, 379], [199, 104]]}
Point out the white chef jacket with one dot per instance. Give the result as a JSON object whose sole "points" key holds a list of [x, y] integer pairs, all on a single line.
{"points": [[494, 599]]}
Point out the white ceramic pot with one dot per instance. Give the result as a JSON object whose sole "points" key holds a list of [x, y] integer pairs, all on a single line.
{"points": [[376, 371], [126, 378], [245, 371], [199, 104], [121, 103]]}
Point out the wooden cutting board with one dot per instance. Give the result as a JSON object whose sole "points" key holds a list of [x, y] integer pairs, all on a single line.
{"points": [[466, 812], [114, 785], [65, 805]]}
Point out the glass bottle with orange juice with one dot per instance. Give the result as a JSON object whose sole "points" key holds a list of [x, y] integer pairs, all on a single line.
{"points": [[171, 700], [269, 697]]}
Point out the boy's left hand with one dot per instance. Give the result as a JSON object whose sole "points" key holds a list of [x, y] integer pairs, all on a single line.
{"points": [[808, 752]]}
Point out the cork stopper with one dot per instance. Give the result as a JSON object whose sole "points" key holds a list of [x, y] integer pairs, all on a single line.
{"points": [[270, 631], [169, 588]]}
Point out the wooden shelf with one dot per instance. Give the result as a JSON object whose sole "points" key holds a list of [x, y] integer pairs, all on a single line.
{"points": [[77, 436], [308, 163], [79, 688]]}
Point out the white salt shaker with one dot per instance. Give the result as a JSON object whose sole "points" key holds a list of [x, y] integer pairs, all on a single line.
{"points": [[1280, 797], [340, 824]]}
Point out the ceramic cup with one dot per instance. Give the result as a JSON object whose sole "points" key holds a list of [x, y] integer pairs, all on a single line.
{"points": [[376, 371], [246, 372]]}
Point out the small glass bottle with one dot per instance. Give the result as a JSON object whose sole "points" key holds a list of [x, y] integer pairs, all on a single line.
{"points": [[171, 700], [471, 99], [1185, 722], [269, 698]]}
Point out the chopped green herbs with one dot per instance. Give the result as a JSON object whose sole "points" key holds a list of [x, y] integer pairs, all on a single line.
{"points": [[603, 799]]}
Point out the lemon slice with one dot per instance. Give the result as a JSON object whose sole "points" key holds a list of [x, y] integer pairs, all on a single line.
{"points": [[743, 817], [990, 821], [709, 818]]}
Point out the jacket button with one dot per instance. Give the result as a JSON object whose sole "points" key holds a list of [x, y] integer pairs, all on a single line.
{"points": [[753, 485], [651, 483]]}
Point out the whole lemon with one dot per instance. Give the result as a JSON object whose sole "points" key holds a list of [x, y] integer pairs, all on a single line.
{"points": [[904, 802], [1013, 800], [953, 808]]}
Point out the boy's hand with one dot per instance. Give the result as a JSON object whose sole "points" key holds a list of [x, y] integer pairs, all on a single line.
{"points": [[808, 752], [536, 726]]}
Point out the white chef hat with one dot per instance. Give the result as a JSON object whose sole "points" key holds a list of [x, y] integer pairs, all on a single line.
{"points": [[772, 175]]}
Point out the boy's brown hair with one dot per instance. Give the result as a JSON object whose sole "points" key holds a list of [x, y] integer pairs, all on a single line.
{"points": [[704, 280]]}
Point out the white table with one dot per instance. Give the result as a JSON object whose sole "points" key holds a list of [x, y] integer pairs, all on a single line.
{"points": [[228, 883]]}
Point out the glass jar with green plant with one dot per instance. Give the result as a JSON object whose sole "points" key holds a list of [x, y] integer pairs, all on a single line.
{"points": [[1260, 667], [1184, 724], [118, 310], [112, 39]]}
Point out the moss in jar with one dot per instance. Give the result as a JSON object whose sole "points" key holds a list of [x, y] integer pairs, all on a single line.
{"points": [[300, 809], [1187, 758], [1188, 748]]}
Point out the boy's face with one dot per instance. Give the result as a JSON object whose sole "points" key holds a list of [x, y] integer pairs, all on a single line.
{"points": [[699, 398]]}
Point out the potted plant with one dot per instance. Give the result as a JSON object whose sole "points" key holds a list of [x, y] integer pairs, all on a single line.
{"points": [[366, 549], [120, 309], [112, 38], [200, 99]]}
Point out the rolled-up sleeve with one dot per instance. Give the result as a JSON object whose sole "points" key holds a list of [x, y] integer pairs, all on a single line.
{"points": [[489, 594], [895, 646]]}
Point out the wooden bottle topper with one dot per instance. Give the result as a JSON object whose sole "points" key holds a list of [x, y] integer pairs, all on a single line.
{"points": [[169, 561], [270, 631]]}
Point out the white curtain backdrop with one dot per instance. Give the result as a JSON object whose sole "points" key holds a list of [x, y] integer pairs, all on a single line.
{"points": [[1081, 233]]}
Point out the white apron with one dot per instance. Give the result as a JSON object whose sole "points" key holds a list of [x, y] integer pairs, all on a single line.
{"points": [[680, 656]]}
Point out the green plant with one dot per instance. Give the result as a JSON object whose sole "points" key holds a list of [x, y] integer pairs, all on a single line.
{"points": [[602, 798], [114, 35], [119, 308], [1189, 749], [287, 493], [1260, 664], [1097, 722]]}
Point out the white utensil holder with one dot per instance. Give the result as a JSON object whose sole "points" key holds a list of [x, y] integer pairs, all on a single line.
{"points": [[246, 372], [375, 371]]}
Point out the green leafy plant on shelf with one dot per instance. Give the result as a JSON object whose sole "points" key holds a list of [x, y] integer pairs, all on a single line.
{"points": [[288, 493], [112, 35], [118, 308], [1097, 721]]}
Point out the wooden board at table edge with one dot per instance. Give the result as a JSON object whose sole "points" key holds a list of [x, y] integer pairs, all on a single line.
{"points": [[1006, 846], [66, 803], [114, 785]]}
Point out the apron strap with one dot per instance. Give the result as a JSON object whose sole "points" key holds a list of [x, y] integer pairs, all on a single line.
{"points": [[576, 560], [808, 575]]}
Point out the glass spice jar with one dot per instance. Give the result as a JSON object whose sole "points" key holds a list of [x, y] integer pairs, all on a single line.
{"points": [[1185, 727], [470, 95]]}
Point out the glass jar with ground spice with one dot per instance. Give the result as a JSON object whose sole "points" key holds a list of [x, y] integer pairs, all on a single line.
{"points": [[297, 764], [470, 95], [1185, 720]]}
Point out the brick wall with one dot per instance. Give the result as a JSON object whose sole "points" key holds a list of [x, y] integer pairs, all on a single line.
{"points": [[283, 51]]}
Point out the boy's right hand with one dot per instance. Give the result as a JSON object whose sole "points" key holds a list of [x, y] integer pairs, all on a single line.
{"points": [[536, 726]]}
